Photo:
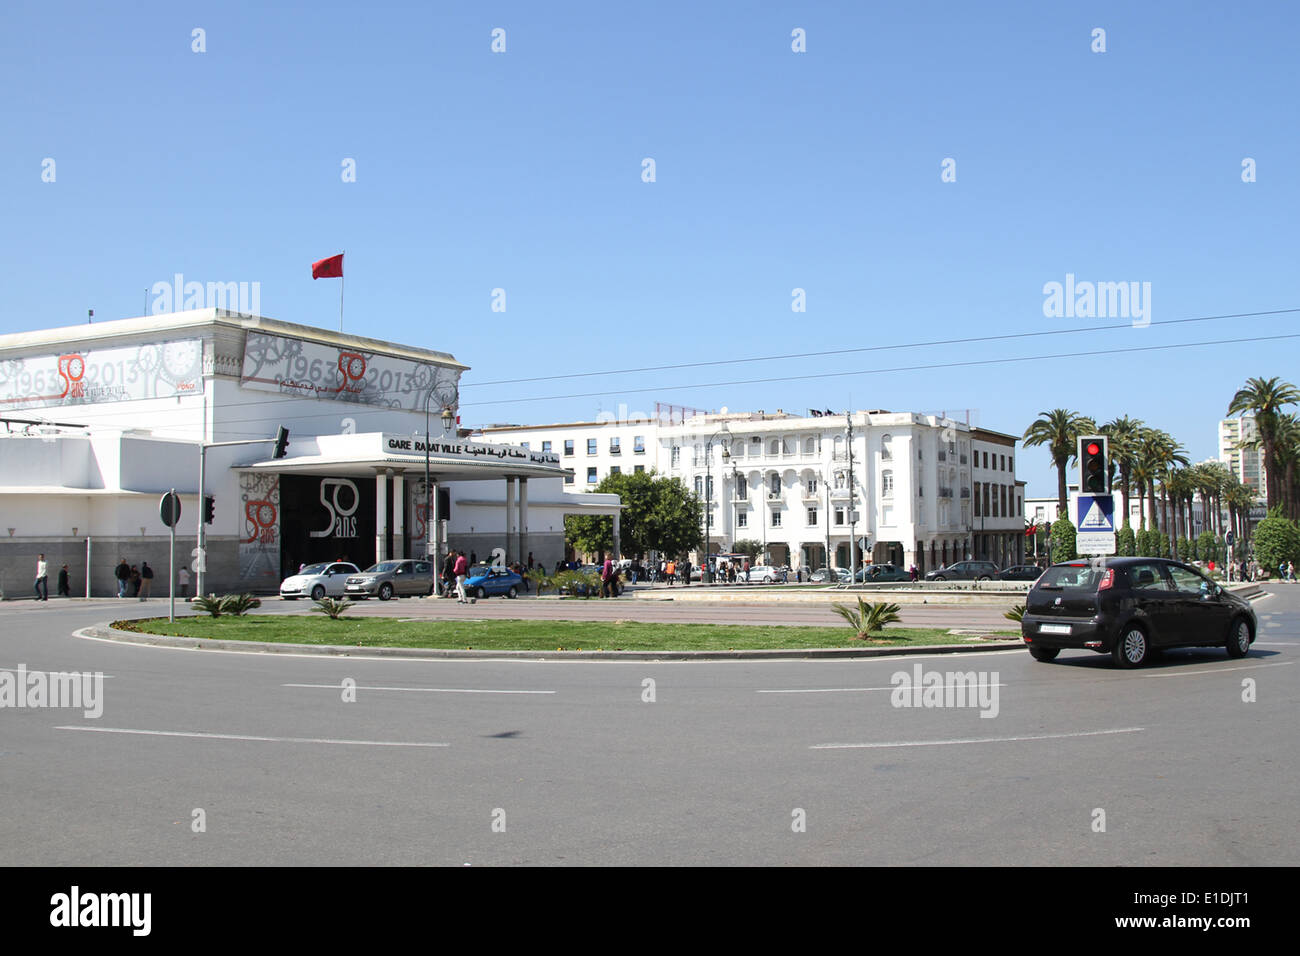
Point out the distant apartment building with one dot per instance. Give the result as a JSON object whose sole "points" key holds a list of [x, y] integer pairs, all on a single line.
{"points": [[919, 489], [1246, 463]]}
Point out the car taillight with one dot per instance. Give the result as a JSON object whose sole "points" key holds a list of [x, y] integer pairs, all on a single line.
{"points": [[1107, 579]]}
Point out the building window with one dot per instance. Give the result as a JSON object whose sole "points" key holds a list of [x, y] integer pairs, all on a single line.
{"points": [[887, 483], [546, 446], [812, 517], [637, 469], [568, 479], [615, 470], [742, 519], [786, 447], [839, 516], [742, 488], [776, 519], [887, 447], [986, 459], [676, 456], [591, 476], [615, 446], [638, 445], [774, 449], [591, 446], [774, 484], [697, 455], [568, 446], [524, 446], [811, 487]]}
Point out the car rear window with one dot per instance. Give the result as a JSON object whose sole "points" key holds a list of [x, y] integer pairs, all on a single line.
{"points": [[1084, 577]]}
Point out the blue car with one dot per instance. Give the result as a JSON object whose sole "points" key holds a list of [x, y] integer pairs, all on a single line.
{"points": [[483, 582]]}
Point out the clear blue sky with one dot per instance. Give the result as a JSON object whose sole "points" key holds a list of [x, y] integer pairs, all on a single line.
{"points": [[775, 170]]}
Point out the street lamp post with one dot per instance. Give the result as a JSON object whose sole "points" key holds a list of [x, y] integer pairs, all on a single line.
{"points": [[723, 437], [430, 506]]}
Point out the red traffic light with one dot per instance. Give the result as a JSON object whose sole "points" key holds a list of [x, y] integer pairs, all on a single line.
{"points": [[1094, 448]]}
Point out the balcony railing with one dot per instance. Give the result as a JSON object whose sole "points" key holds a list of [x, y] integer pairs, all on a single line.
{"points": [[965, 492], [945, 492]]}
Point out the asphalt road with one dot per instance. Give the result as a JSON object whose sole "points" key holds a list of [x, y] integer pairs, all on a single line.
{"points": [[573, 765]]}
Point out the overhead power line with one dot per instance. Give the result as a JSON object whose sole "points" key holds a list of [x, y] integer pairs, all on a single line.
{"points": [[875, 348]]}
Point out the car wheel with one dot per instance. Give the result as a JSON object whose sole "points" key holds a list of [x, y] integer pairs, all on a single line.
{"points": [[1239, 638], [1132, 649], [385, 591], [939, 578], [984, 578], [1044, 653], [318, 592], [513, 592], [480, 592]]}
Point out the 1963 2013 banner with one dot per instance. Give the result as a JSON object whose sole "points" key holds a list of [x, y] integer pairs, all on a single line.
{"points": [[93, 376], [295, 367]]}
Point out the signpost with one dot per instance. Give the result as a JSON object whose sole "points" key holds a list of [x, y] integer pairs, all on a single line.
{"points": [[169, 509], [1094, 520]]}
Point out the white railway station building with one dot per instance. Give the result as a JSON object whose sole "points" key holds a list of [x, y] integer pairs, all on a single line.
{"points": [[97, 421], [925, 489]]}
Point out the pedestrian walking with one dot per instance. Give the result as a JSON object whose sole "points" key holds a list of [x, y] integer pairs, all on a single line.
{"points": [[123, 575], [686, 574], [42, 585], [183, 578], [135, 581], [449, 573], [459, 570], [1290, 570], [606, 573], [146, 580], [64, 590]]}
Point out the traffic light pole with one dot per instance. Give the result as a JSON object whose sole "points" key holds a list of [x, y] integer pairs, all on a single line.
{"points": [[201, 556]]}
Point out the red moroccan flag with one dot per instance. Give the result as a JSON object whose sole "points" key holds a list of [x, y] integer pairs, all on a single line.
{"points": [[331, 268]]}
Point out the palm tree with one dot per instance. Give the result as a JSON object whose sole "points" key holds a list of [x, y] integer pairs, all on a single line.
{"points": [[1287, 456], [1265, 398], [1123, 434], [1059, 430]]}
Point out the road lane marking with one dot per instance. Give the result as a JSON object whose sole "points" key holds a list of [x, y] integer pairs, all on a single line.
{"points": [[1220, 670], [853, 690], [424, 690], [275, 740], [973, 740]]}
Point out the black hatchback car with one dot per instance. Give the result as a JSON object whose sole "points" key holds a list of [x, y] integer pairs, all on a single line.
{"points": [[1130, 607]]}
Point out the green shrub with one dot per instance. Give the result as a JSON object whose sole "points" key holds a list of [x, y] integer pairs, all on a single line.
{"points": [[332, 606], [209, 604], [1125, 542], [1063, 539], [866, 618], [1016, 614], [239, 604], [1277, 541]]}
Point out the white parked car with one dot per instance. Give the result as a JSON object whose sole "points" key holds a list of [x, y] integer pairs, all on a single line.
{"points": [[317, 580], [762, 574]]}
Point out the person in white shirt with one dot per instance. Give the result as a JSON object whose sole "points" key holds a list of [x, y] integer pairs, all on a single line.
{"points": [[42, 586], [184, 579]]}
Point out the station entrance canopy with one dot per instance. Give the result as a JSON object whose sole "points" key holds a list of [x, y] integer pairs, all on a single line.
{"points": [[450, 458]]}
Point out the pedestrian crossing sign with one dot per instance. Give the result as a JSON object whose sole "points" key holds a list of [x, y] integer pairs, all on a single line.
{"points": [[1095, 513]]}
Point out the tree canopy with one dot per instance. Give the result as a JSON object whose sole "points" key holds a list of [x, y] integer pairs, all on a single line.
{"points": [[659, 514]]}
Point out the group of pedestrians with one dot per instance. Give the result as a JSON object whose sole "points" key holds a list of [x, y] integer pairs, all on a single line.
{"points": [[42, 583], [139, 580]]}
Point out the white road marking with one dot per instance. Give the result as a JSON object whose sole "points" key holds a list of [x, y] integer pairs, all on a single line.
{"points": [[425, 690], [1220, 670], [33, 670], [854, 690], [973, 740], [276, 740]]}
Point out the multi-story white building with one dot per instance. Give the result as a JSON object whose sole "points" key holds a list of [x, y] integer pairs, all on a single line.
{"points": [[99, 420], [918, 488], [1246, 463]]}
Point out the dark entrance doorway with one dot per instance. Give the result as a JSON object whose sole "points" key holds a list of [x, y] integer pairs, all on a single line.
{"points": [[326, 519]]}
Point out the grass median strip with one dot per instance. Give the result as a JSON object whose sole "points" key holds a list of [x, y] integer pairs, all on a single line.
{"points": [[518, 635]]}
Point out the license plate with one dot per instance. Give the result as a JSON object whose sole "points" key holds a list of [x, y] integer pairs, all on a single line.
{"points": [[1054, 629]]}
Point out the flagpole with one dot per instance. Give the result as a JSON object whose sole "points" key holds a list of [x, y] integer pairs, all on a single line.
{"points": [[341, 293]]}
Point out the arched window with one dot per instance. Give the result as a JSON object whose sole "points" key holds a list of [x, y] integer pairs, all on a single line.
{"points": [[887, 447], [774, 483], [887, 483]]}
